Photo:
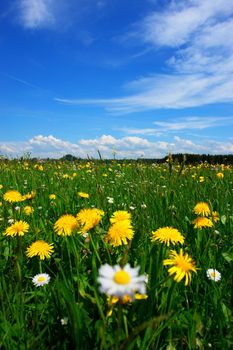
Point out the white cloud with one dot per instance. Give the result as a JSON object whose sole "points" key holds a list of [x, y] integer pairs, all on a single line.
{"points": [[49, 146], [180, 124], [36, 13], [200, 66], [192, 123], [167, 91], [125, 147], [182, 20]]}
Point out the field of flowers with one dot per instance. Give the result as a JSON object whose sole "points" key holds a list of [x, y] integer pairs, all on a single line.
{"points": [[115, 256]]}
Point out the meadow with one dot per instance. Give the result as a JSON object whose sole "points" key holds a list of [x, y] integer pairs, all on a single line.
{"points": [[115, 256]]}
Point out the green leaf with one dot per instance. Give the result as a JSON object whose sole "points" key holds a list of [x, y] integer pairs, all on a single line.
{"points": [[223, 219], [228, 256]]}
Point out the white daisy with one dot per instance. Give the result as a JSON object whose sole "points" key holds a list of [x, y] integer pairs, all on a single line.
{"points": [[110, 200], [213, 275], [41, 279], [64, 321], [117, 281]]}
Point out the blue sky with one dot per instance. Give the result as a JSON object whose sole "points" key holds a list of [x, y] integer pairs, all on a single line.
{"points": [[140, 78]]}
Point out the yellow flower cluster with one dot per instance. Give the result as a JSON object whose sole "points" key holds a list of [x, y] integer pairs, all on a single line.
{"points": [[13, 196], [84, 221], [89, 218], [206, 217], [121, 230]]}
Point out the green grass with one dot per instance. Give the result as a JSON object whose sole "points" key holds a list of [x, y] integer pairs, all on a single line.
{"points": [[174, 316]]}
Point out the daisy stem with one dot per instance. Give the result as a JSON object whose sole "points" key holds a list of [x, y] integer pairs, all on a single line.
{"points": [[40, 266], [126, 325], [119, 323]]}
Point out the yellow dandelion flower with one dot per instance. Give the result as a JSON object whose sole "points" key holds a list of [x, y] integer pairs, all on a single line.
{"points": [[41, 249], [19, 228], [120, 215], [89, 218], [215, 216], [39, 167], [13, 196], [202, 208], [65, 225], [201, 222], [29, 195], [83, 195], [113, 300], [201, 179], [120, 233], [28, 210], [52, 196], [167, 235], [220, 175], [182, 266]]}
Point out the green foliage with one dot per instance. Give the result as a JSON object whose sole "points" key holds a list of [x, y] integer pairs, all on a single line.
{"points": [[70, 312]]}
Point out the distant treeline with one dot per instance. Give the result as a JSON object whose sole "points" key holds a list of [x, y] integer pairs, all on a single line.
{"points": [[178, 158], [196, 159]]}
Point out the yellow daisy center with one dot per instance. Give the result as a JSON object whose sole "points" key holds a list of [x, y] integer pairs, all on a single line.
{"points": [[213, 274], [41, 279], [121, 277]]}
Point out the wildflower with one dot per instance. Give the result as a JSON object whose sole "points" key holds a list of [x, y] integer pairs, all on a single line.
{"points": [[120, 215], [64, 321], [110, 200], [220, 175], [132, 208], [113, 300], [19, 228], [89, 218], [28, 210], [213, 275], [41, 249], [65, 225], [41, 279], [17, 208], [117, 281], [201, 179], [215, 216], [119, 233], [167, 235], [83, 195], [52, 197], [13, 196], [29, 195], [201, 222], [126, 298], [202, 208], [182, 265], [143, 206]]}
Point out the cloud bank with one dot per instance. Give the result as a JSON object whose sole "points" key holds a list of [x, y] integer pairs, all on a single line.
{"points": [[125, 147]]}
